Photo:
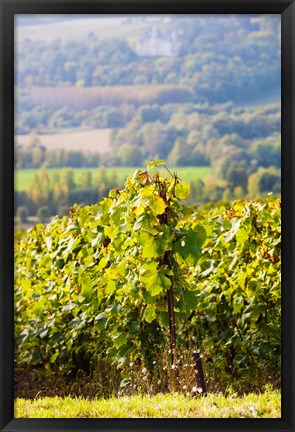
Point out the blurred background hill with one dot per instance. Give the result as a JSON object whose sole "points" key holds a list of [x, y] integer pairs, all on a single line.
{"points": [[199, 91]]}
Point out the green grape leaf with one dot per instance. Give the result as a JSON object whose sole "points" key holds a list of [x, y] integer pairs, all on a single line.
{"points": [[153, 247], [150, 313], [234, 229], [102, 263], [119, 340], [146, 222], [114, 309], [97, 240], [88, 260], [182, 190], [86, 283], [148, 200], [121, 267], [187, 249], [125, 349], [134, 327], [189, 300], [75, 323], [154, 280], [238, 303], [241, 279], [100, 321], [100, 317], [26, 284], [208, 266], [73, 242], [164, 319], [154, 164], [201, 233], [110, 287], [54, 356], [242, 235]]}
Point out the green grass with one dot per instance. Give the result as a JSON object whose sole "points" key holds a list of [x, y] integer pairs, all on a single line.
{"points": [[23, 177], [266, 405]]}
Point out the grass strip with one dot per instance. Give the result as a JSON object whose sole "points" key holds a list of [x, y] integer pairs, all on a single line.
{"points": [[23, 177], [264, 405]]}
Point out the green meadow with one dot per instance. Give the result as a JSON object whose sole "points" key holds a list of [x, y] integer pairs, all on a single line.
{"points": [[23, 177], [264, 405]]}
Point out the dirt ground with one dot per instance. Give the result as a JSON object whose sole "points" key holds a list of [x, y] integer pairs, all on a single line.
{"points": [[93, 140]]}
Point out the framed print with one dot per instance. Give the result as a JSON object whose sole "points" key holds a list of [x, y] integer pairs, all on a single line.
{"points": [[147, 215]]}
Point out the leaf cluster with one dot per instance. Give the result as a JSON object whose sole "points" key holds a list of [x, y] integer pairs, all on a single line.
{"points": [[92, 285], [99, 276]]}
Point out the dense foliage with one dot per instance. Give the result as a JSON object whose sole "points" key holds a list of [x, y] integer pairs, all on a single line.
{"points": [[91, 287]]}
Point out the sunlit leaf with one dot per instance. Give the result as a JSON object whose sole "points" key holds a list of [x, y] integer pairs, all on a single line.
{"points": [[150, 313], [154, 280], [154, 164]]}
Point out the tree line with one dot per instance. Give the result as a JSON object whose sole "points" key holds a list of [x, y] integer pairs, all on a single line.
{"points": [[54, 193], [184, 134], [219, 60]]}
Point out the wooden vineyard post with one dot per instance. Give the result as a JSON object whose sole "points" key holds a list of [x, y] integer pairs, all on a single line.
{"points": [[199, 372], [172, 331], [171, 324], [164, 218]]}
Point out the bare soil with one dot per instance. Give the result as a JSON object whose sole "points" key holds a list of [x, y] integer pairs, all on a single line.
{"points": [[93, 140]]}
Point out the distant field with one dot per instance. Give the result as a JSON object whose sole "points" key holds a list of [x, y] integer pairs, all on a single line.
{"points": [[92, 97], [77, 28], [25, 176], [93, 140]]}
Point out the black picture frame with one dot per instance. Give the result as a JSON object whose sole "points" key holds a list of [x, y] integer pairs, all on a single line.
{"points": [[8, 8]]}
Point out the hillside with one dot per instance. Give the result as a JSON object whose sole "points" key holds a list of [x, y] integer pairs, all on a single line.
{"points": [[230, 59], [204, 93]]}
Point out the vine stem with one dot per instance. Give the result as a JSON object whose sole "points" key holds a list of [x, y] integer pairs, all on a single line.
{"points": [[170, 300], [170, 297], [168, 171]]}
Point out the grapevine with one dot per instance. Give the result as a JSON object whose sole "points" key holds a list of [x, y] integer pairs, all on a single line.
{"points": [[109, 279]]}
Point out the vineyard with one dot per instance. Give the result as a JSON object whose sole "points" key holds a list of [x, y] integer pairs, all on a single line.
{"points": [[126, 289]]}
